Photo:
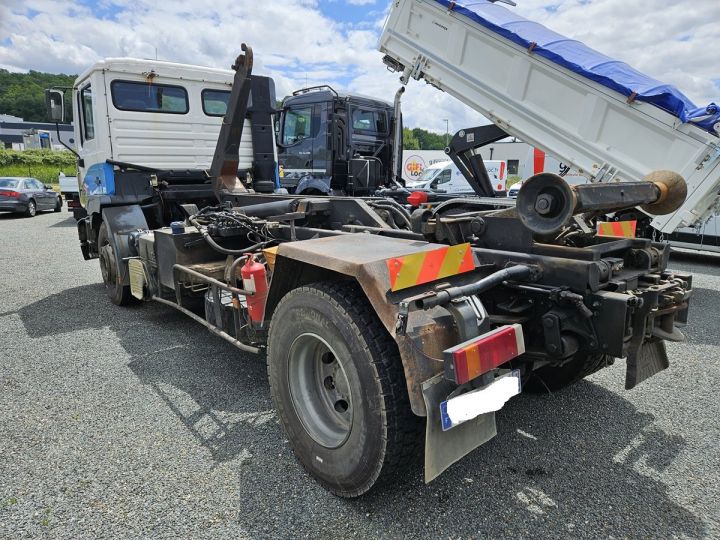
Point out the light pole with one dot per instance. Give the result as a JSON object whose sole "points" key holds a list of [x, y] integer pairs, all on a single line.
{"points": [[447, 132]]}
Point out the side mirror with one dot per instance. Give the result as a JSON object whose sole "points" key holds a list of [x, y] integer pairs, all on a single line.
{"points": [[55, 104], [47, 187]]}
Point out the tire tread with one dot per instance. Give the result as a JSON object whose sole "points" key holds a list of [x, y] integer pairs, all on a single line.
{"points": [[404, 428]]}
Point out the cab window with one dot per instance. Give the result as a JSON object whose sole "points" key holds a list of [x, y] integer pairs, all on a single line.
{"points": [[88, 121], [444, 177], [149, 97], [369, 121], [428, 174], [296, 125], [215, 102]]}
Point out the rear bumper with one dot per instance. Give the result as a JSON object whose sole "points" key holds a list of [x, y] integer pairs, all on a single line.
{"points": [[72, 200], [13, 206]]}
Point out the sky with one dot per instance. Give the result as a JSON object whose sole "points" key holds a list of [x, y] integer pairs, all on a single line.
{"points": [[308, 42]]}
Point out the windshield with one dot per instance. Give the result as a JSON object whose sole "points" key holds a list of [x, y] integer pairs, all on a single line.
{"points": [[8, 183], [427, 175]]}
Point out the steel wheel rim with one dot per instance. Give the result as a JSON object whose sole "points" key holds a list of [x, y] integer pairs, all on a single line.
{"points": [[31, 208], [320, 390], [107, 264]]}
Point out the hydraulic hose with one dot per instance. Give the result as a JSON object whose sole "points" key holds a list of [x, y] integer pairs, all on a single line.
{"points": [[506, 274], [217, 247], [397, 211]]}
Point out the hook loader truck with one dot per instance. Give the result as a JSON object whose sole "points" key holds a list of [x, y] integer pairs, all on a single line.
{"points": [[394, 332]]}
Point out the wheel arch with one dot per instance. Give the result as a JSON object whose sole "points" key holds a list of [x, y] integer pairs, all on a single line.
{"points": [[289, 274], [310, 184], [121, 220], [361, 258]]}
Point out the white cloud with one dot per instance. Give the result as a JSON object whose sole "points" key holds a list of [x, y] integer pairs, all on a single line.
{"points": [[294, 42]]}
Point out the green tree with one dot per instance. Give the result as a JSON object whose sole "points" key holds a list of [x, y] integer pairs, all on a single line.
{"points": [[409, 140], [23, 94], [426, 140]]}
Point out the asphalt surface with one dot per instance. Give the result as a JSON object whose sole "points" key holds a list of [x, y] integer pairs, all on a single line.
{"points": [[138, 423]]}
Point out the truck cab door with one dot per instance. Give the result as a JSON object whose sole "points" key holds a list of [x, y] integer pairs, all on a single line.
{"points": [[88, 144], [457, 183], [339, 143], [299, 138], [442, 181]]}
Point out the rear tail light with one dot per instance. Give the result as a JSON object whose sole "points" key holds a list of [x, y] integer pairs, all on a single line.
{"points": [[10, 194], [477, 356]]}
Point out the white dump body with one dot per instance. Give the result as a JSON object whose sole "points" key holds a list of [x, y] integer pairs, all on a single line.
{"points": [[588, 125]]}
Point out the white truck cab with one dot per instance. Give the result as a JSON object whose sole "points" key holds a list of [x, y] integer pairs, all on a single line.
{"points": [[150, 113], [445, 177]]}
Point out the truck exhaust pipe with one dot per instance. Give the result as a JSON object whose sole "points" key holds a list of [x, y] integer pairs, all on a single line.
{"points": [[395, 171]]}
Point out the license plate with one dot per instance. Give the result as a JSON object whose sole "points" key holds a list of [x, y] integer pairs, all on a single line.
{"points": [[489, 398]]}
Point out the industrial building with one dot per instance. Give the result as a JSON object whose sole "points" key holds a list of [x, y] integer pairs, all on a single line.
{"points": [[17, 134]]}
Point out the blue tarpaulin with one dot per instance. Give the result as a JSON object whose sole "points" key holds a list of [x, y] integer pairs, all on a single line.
{"points": [[589, 63]]}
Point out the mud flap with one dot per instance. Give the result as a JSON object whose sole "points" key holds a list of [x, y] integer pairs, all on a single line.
{"points": [[650, 359], [443, 448]]}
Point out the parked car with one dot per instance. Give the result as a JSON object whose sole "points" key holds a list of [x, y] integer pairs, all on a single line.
{"points": [[27, 196], [514, 189]]}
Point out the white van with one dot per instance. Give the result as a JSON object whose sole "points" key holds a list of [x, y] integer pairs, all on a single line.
{"points": [[445, 177]]}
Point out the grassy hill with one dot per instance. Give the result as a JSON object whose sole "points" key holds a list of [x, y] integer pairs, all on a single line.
{"points": [[22, 94]]}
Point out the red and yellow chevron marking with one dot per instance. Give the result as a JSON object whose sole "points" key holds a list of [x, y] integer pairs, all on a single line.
{"points": [[621, 229], [427, 266]]}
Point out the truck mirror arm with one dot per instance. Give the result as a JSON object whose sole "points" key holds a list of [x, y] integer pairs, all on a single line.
{"points": [[80, 160]]}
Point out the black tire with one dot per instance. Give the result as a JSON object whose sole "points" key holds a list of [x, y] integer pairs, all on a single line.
{"points": [[264, 186], [119, 294], [31, 210], [383, 434], [58, 204], [554, 378]]}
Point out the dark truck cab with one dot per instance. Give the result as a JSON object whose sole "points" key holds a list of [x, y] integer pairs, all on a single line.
{"points": [[332, 143]]}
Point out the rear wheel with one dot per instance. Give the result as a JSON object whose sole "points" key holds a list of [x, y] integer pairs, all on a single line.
{"points": [[31, 209], [337, 383], [554, 378], [119, 294]]}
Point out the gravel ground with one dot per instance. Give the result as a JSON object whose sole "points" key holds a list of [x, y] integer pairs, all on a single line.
{"points": [[137, 423]]}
